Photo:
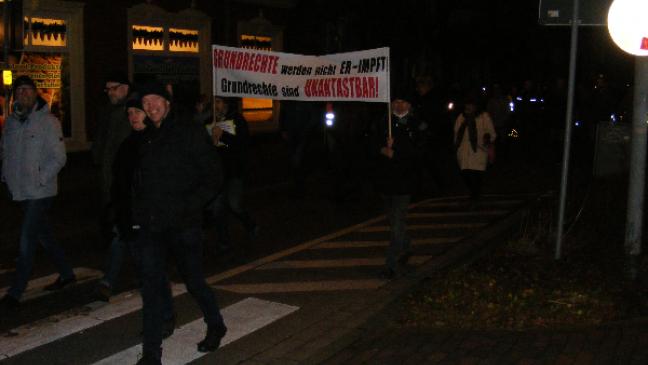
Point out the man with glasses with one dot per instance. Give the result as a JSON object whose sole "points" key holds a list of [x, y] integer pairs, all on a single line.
{"points": [[33, 153], [112, 129]]}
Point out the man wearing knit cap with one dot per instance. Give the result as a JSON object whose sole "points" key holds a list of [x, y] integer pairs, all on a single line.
{"points": [[112, 128], [396, 177], [178, 175], [33, 153]]}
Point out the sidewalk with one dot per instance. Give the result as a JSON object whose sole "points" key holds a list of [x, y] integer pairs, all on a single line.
{"points": [[379, 343]]}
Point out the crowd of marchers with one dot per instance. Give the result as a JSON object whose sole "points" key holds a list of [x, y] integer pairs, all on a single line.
{"points": [[164, 168]]}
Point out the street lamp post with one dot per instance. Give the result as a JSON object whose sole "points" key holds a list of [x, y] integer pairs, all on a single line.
{"points": [[629, 31]]}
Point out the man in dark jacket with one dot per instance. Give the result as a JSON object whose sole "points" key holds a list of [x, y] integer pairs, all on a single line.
{"points": [[396, 177], [178, 174], [112, 129], [231, 137]]}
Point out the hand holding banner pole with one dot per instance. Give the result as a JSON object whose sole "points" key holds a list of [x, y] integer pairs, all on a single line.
{"points": [[389, 111], [389, 120]]}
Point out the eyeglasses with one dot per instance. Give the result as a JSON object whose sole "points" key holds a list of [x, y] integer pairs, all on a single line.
{"points": [[112, 88], [21, 89]]}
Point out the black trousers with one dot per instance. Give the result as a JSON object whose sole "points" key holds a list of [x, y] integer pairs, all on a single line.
{"points": [[473, 180]]}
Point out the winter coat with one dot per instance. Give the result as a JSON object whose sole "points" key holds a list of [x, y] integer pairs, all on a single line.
{"points": [[234, 151], [33, 153], [121, 191], [177, 175], [112, 130], [398, 175], [466, 157]]}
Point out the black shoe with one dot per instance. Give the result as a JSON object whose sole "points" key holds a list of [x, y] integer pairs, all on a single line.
{"points": [[213, 338], [102, 292], [388, 274], [149, 358], [60, 283], [8, 304], [403, 259], [253, 232]]}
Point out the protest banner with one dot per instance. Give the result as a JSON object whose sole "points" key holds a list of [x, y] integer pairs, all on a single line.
{"points": [[353, 76]]}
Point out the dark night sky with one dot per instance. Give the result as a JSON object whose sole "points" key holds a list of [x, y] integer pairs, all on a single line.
{"points": [[462, 40], [466, 41]]}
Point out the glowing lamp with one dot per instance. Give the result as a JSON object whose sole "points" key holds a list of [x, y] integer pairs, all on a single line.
{"points": [[7, 77], [628, 25]]}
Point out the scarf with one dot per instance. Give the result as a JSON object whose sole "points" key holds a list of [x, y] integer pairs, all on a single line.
{"points": [[470, 123]]}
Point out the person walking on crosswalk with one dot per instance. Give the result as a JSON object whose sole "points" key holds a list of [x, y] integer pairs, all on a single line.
{"points": [[178, 174], [33, 153], [397, 177]]}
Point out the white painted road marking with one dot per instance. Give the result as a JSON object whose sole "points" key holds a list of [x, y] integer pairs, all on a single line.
{"points": [[463, 203], [241, 319], [302, 286], [36, 288], [335, 263], [458, 214], [418, 227], [55, 327], [384, 243]]}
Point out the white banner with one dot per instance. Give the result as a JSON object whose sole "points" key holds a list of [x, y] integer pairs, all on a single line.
{"points": [[353, 76]]}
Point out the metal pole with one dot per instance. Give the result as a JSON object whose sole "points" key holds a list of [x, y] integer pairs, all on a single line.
{"points": [[637, 168], [389, 120], [568, 128]]}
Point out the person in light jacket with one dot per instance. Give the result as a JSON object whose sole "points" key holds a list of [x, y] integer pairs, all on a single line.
{"points": [[474, 133], [33, 153]]}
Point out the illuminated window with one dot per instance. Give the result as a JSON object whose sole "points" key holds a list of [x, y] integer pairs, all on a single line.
{"points": [[256, 42], [45, 32], [256, 110], [183, 40], [148, 38]]}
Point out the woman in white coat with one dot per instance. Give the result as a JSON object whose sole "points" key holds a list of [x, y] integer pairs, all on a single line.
{"points": [[473, 134]]}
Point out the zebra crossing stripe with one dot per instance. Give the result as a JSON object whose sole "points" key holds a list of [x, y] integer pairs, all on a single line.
{"points": [[302, 286], [418, 227], [463, 203], [458, 214], [241, 319], [383, 243], [36, 288], [55, 327], [335, 263]]}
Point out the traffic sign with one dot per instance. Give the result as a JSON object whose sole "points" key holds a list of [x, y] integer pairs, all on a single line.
{"points": [[559, 12], [627, 26]]}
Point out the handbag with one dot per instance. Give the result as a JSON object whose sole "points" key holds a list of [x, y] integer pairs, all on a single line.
{"points": [[490, 151]]}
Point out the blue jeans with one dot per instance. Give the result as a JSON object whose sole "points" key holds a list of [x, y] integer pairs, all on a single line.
{"points": [[36, 229], [186, 248], [399, 242], [230, 201]]}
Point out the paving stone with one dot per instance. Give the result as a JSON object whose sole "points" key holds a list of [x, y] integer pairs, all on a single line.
{"points": [[564, 359]]}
